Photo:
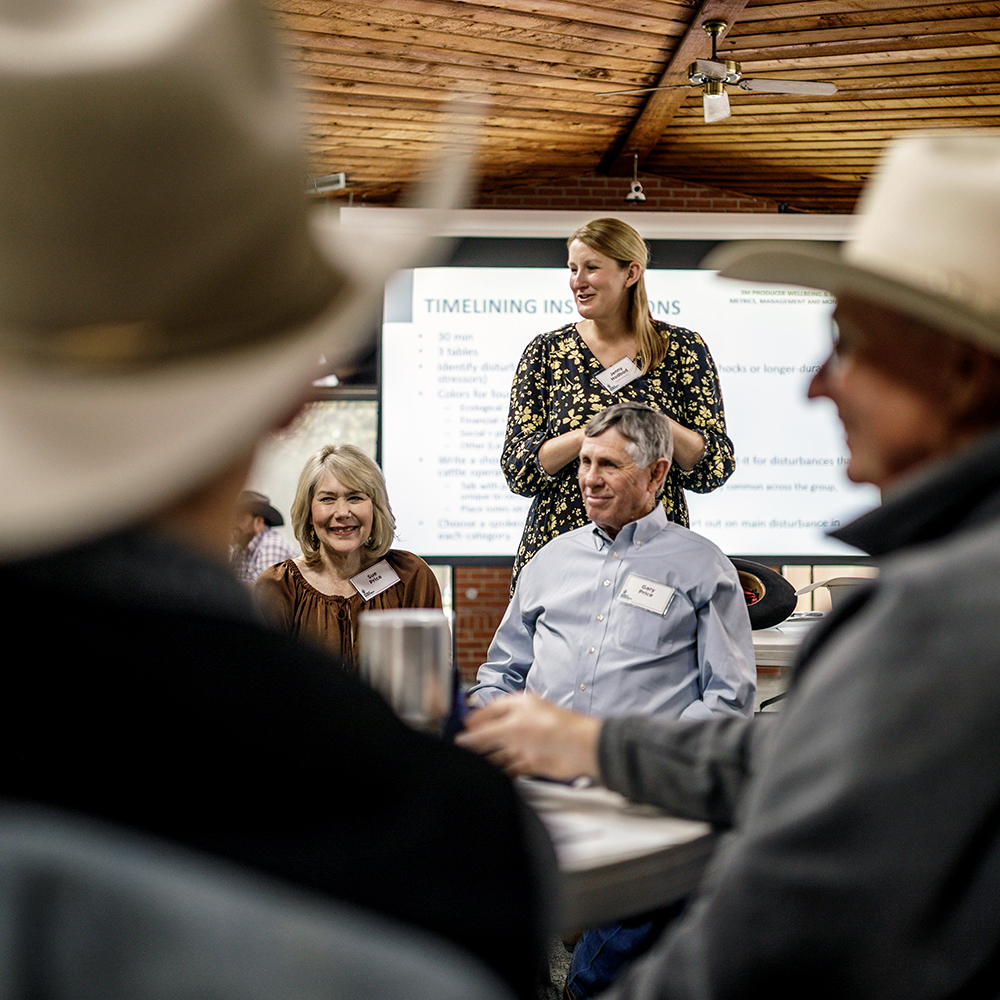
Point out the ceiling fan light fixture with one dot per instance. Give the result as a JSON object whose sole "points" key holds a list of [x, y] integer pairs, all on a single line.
{"points": [[715, 101]]}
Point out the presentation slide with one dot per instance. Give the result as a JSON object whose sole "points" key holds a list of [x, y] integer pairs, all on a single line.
{"points": [[452, 338]]}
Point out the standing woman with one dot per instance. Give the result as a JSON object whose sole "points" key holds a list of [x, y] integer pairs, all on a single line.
{"points": [[344, 526], [616, 352]]}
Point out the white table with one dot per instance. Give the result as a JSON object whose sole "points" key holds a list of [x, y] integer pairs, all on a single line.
{"points": [[616, 859], [778, 646]]}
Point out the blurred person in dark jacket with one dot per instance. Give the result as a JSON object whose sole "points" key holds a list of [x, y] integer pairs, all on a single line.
{"points": [[164, 300]]}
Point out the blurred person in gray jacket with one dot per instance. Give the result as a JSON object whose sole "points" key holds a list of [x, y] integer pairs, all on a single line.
{"points": [[862, 852]]}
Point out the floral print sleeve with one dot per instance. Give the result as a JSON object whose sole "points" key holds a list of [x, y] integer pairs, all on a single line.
{"points": [[556, 390], [527, 423], [698, 405]]}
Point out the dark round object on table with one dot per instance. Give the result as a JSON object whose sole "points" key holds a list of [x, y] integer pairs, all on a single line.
{"points": [[770, 597]]}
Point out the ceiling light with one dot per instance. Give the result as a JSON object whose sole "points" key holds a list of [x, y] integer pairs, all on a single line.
{"points": [[715, 101]]}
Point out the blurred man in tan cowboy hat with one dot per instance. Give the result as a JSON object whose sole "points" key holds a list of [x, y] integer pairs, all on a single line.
{"points": [[862, 857], [164, 298]]}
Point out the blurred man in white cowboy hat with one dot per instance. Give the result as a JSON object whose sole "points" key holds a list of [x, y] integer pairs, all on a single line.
{"points": [[863, 852], [164, 299]]}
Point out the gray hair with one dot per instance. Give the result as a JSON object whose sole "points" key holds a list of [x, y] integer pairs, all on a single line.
{"points": [[647, 431]]}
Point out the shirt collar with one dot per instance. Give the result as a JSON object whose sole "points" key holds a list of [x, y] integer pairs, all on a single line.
{"points": [[963, 489], [635, 532]]}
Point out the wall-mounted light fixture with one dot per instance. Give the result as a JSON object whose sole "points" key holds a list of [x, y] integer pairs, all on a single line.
{"points": [[326, 183]]}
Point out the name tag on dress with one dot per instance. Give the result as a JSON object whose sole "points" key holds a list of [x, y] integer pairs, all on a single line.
{"points": [[615, 376], [646, 594], [375, 579]]}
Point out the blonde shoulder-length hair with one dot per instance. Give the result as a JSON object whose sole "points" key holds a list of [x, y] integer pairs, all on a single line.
{"points": [[356, 471], [619, 241]]}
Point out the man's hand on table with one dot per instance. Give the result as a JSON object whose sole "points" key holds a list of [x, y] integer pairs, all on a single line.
{"points": [[524, 734]]}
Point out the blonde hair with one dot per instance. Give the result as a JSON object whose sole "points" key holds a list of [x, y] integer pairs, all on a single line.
{"points": [[355, 470], [619, 241]]}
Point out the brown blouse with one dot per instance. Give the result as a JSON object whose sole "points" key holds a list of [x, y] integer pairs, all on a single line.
{"points": [[290, 603]]}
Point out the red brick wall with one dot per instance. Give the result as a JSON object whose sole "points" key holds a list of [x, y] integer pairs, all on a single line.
{"points": [[480, 592], [607, 194], [480, 596]]}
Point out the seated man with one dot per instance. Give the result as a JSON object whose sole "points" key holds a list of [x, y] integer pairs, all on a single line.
{"points": [[256, 546], [632, 614], [158, 316], [863, 856]]}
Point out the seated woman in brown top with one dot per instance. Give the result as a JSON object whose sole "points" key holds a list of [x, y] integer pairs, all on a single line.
{"points": [[344, 526]]}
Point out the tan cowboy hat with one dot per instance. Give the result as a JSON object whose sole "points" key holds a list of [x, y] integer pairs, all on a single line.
{"points": [[927, 242], [165, 296]]}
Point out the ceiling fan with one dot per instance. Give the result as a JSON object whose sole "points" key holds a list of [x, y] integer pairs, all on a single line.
{"points": [[712, 76]]}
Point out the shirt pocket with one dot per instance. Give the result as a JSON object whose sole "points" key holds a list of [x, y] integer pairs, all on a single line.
{"points": [[640, 630], [644, 631]]}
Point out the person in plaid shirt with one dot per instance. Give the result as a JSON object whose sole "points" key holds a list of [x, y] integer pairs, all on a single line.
{"points": [[256, 545]]}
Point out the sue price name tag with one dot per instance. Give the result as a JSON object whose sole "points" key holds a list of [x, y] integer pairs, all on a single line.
{"points": [[375, 579]]}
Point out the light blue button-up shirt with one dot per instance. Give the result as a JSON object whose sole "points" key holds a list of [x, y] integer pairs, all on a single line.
{"points": [[569, 636]]}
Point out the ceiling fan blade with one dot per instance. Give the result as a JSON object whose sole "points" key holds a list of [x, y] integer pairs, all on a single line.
{"points": [[716, 107], [787, 87], [641, 90], [711, 70]]}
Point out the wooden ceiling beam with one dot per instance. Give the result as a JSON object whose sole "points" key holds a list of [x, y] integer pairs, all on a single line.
{"points": [[569, 20], [865, 50], [815, 9], [444, 35], [620, 12]]}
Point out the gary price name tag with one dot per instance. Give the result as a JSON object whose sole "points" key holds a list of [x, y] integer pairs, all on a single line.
{"points": [[646, 594]]}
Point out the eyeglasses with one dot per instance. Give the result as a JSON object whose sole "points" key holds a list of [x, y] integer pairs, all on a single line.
{"points": [[841, 349], [845, 340]]}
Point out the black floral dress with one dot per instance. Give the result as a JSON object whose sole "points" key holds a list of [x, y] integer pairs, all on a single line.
{"points": [[556, 390]]}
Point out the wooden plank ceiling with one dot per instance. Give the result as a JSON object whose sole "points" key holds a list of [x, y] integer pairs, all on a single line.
{"points": [[382, 82]]}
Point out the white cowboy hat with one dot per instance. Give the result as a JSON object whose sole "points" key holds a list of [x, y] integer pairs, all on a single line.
{"points": [[927, 242], [164, 295]]}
